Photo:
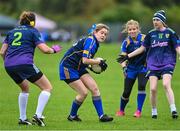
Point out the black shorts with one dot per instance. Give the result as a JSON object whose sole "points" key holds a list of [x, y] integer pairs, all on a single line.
{"points": [[160, 73], [21, 72]]}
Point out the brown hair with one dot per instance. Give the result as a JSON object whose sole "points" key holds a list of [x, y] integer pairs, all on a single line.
{"points": [[27, 18], [99, 26]]}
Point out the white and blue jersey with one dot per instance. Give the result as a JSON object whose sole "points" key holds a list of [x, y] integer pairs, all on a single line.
{"points": [[71, 66], [161, 44], [136, 64]]}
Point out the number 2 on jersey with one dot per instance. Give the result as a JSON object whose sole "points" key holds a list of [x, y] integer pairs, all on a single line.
{"points": [[16, 41]]}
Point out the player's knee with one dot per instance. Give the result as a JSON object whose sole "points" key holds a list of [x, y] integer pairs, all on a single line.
{"points": [[166, 84], [48, 88], [95, 92], [126, 95], [84, 94], [141, 87], [153, 90]]}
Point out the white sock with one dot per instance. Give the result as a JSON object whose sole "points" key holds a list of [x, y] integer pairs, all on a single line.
{"points": [[154, 111], [22, 100], [42, 101], [173, 107]]}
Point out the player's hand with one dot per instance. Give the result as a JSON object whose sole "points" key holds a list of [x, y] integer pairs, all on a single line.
{"points": [[125, 71], [56, 48], [103, 65], [122, 58]]}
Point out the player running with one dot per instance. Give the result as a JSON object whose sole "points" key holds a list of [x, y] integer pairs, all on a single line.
{"points": [[17, 52], [73, 71]]}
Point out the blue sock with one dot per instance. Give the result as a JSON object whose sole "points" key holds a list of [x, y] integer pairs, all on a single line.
{"points": [[75, 106], [140, 99], [98, 105], [123, 103]]}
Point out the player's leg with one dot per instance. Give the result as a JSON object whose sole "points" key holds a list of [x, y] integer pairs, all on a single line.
{"points": [[43, 83], [15, 74], [23, 100], [128, 84], [142, 81], [90, 83], [153, 94], [82, 91], [169, 93]]}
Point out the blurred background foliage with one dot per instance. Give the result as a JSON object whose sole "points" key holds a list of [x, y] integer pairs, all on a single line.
{"points": [[90, 11], [80, 14]]}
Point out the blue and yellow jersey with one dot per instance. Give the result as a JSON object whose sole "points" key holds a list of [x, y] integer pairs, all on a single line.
{"points": [[21, 41], [85, 47], [162, 45], [129, 45]]}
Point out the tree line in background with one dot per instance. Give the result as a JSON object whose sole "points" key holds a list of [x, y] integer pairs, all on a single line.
{"points": [[90, 11]]}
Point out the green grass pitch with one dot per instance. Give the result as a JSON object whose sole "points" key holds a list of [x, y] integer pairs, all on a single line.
{"points": [[110, 84]]}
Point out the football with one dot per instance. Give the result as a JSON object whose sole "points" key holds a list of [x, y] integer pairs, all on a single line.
{"points": [[97, 68]]}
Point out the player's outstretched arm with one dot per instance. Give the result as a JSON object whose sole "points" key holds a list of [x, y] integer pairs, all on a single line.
{"points": [[47, 50], [137, 52]]}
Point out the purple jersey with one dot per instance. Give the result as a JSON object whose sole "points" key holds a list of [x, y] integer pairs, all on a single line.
{"points": [[22, 42], [161, 47]]}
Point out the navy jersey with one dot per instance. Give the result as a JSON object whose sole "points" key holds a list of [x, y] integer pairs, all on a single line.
{"points": [[161, 53], [128, 46], [85, 47], [21, 41]]}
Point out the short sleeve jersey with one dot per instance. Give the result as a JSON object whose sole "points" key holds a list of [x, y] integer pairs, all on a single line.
{"points": [[161, 49], [129, 45], [85, 47], [21, 41]]}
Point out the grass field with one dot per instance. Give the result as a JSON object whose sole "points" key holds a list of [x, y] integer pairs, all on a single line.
{"points": [[111, 85]]}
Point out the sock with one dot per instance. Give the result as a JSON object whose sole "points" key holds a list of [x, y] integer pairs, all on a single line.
{"points": [[154, 111], [123, 103], [173, 107], [98, 105], [140, 100], [22, 100], [42, 101], [75, 106]]}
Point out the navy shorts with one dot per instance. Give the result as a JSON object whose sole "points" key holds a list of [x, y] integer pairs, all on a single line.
{"points": [[21, 72], [132, 73], [160, 73], [69, 75]]}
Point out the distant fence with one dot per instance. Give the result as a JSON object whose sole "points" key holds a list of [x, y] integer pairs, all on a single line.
{"points": [[115, 35]]}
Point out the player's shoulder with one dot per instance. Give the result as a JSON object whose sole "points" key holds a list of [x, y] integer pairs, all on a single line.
{"points": [[141, 37], [126, 41], [171, 30], [90, 39], [152, 30]]}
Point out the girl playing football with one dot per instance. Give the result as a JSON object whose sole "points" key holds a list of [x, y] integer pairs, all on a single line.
{"points": [[73, 71], [17, 52], [134, 69]]}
